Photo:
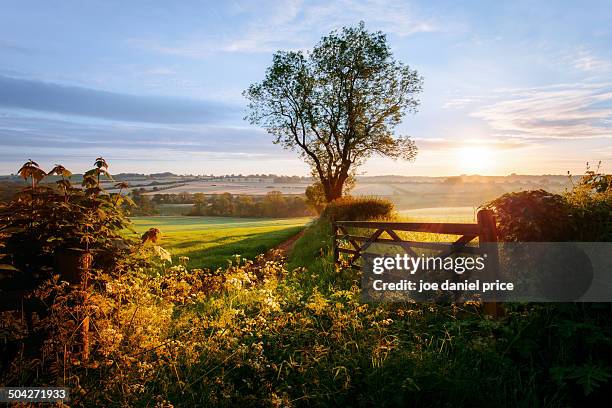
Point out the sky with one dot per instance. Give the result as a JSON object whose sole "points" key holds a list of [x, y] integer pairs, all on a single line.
{"points": [[509, 87]]}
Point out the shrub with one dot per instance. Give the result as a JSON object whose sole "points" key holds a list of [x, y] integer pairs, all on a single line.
{"points": [[591, 206], [44, 220], [535, 215], [358, 209], [582, 214], [315, 197]]}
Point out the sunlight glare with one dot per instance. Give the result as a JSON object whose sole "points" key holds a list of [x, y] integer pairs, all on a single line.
{"points": [[475, 159]]}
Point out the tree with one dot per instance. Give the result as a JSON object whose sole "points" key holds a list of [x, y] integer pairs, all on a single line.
{"points": [[315, 197], [143, 204], [338, 104]]}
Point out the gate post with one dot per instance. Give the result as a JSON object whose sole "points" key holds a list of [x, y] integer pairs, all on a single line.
{"points": [[488, 234]]}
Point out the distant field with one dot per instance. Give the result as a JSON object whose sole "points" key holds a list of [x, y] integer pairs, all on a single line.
{"points": [[210, 241], [247, 188], [441, 214]]}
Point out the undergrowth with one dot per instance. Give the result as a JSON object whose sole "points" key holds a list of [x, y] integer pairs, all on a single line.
{"points": [[262, 335]]}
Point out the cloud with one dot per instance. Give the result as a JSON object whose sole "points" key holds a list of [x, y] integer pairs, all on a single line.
{"points": [[22, 133], [72, 100], [585, 60], [565, 111], [508, 143], [137, 147], [295, 25]]}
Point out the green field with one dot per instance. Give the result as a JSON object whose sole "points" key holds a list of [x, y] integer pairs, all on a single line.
{"points": [[210, 241]]}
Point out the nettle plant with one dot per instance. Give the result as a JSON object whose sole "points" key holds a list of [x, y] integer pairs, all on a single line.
{"points": [[52, 215]]}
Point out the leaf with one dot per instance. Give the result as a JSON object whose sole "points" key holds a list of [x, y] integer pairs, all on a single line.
{"points": [[589, 376], [65, 184], [162, 253], [128, 200], [60, 171], [101, 163], [7, 267], [152, 235], [31, 169]]}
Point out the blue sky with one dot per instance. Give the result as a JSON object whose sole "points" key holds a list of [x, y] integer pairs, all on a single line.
{"points": [[525, 87]]}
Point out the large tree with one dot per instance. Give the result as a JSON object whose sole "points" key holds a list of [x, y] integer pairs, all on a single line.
{"points": [[338, 104]]}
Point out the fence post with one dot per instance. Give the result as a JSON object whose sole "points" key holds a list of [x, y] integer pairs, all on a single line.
{"points": [[488, 234]]}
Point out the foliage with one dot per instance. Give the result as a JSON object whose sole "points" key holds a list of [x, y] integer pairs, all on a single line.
{"points": [[258, 334], [358, 209], [535, 215], [315, 197], [273, 205], [43, 220], [143, 205], [582, 214], [338, 104], [262, 334], [590, 201]]}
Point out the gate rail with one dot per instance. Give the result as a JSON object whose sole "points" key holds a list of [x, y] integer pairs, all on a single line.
{"points": [[484, 229]]}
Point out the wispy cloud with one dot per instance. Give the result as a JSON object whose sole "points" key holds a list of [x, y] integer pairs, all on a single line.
{"points": [[295, 24], [31, 130], [71, 100], [56, 138], [508, 143], [565, 111], [585, 60]]}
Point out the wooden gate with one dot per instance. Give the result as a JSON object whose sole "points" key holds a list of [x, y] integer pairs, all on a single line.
{"points": [[355, 244]]}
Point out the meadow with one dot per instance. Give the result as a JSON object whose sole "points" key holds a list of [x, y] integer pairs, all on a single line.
{"points": [[440, 214], [210, 242]]}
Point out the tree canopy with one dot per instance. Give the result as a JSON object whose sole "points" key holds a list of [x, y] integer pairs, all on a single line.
{"points": [[338, 104]]}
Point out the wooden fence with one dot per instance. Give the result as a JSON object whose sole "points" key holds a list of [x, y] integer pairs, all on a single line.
{"points": [[355, 244]]}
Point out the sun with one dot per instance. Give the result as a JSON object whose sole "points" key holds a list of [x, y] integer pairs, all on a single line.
{"points": [[475, 159]]}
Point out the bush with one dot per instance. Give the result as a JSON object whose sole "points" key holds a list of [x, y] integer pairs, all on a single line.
{"points": [[44, 220], [358, 209], [535, 215], [315, 197], [582, 214], [591, 206]]}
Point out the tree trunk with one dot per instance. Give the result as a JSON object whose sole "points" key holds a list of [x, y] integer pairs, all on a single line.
{"points": [[334, 193], [333, 188]]}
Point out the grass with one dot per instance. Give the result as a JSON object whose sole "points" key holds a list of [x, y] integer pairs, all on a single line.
{"points": [[210, 241]]}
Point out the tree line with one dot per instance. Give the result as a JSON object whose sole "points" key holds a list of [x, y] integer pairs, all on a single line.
{"points": [[273, 205]]}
